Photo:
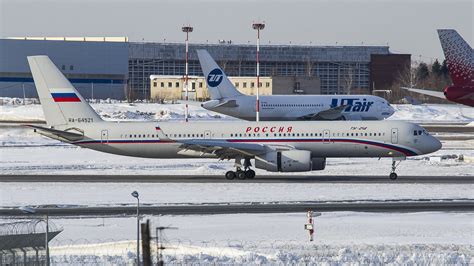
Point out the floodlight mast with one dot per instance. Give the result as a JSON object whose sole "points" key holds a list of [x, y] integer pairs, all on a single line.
{"points": [[136, 195], [258, 27], [187, 29]]}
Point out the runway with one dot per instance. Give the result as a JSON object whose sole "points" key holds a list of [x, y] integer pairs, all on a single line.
{"points": [[221, 179], [253, 207]]}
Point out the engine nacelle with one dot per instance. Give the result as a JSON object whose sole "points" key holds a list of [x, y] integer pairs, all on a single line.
{"points": [[286, 161], [318, 163]]}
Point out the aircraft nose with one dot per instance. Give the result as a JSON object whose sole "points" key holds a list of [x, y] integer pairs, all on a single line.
{"points": [[433, 144], [388, 111]]}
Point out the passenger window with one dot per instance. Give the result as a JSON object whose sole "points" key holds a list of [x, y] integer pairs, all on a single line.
{"points": [[415, 133]]}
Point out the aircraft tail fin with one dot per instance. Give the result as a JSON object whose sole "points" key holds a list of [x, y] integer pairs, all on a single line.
{"points": [[459, 57], [60, 101], [217, 82]]}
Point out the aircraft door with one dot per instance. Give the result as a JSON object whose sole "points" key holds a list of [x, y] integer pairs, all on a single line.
{"points": [[326, 136], [104, 136], [207, 134], [394, 135]]}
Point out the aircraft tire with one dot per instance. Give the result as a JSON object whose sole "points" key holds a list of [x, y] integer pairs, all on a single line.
{"points": [[230, 175], [393, 176], [250, 174], [241, 175]]}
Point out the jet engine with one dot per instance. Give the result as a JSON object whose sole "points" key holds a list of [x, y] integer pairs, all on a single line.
{"points": [[318, 163], [290, 161]]}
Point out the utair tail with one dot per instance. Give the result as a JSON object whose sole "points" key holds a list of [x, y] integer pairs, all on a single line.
{"points": [[220, 87]]}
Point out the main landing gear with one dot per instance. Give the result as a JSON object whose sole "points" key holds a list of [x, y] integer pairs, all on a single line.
{"points": [[240, 174], [395, 163]]}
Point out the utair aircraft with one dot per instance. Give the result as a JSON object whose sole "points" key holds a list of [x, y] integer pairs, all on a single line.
{"points": [[288, 146], [226, 99]]}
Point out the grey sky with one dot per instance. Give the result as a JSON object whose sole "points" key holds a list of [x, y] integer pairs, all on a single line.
{"points": [[407, 26]]}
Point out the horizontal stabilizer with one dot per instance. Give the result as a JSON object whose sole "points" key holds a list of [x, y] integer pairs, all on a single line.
{"points": [[72, 134], [437, 94]]}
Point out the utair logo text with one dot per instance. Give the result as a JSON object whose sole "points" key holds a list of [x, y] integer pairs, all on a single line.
{"points": [[354, 104], [215, 77]]}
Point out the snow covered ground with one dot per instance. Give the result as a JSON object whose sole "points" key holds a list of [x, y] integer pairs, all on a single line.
{"points": [[13, 110], [340, 237], [113, 194]]}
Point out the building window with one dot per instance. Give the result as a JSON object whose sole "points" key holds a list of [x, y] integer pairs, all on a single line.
{"points": [[170, 85], [162, 84], [200, 84], [236, 84], [267, 84], [252, 84], [177, 84], [245, 85], [260, 84], [71, 67], [155, 84], [63, 67]]}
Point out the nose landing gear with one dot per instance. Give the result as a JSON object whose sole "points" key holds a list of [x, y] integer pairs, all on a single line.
{"points": [[395, 163]]}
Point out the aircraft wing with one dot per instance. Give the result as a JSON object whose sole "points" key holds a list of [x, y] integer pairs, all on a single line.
{"points": [[437, 94], [191, 103], [67, 135], [329, 114], [224, 149]]}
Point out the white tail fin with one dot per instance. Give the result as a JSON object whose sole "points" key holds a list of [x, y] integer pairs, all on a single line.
{"points": [[459, 57], [61, 103], [217, 82]]}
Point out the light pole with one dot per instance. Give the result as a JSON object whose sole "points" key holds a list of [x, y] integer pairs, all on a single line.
{"points": [[29, 210], [186, 29], [135, 195], [258, 27]]}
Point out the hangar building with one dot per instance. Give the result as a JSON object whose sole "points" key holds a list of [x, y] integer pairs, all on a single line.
{"points": [[116, 68]]}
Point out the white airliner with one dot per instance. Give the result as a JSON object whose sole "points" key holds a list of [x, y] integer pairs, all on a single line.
{"points": [[226, 99], [291, 146]]}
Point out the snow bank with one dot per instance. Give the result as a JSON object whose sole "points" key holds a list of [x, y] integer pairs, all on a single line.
{"points": [[435, 238], [281, 255], [12, 109], [433, 112]]}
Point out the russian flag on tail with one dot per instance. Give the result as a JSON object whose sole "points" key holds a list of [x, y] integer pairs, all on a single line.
{"points": [[65, 96]]}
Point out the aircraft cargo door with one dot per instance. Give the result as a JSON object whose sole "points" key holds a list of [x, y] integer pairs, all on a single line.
{"points": [[394, 135], [104, 136]]}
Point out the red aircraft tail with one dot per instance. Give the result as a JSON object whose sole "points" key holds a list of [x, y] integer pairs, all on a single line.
{"points": [[459, 57]]}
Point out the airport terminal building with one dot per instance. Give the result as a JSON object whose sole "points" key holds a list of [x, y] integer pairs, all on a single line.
{"points": [[116, 68]]}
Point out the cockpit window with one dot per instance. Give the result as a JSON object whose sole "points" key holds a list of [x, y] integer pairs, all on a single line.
{"points": [[420, 132]]}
